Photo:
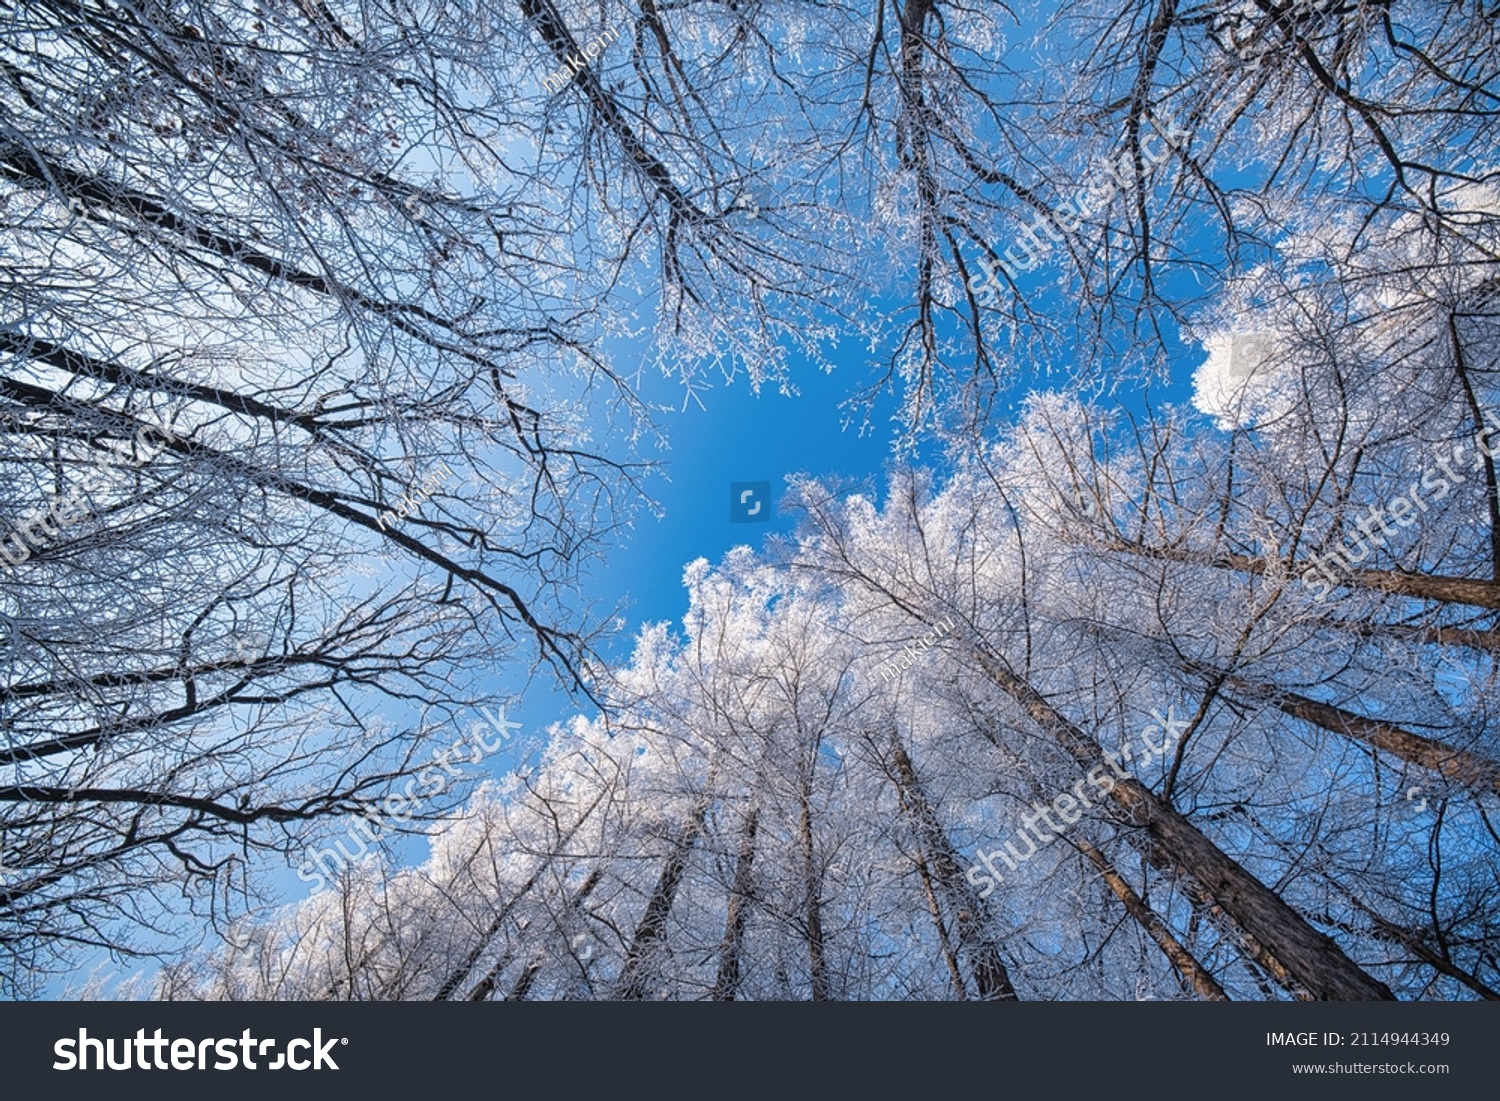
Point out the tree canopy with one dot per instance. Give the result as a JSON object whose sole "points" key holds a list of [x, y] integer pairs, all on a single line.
{"points": [[325, 249]]}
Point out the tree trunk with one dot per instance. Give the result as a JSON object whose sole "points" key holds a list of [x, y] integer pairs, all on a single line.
{"points": [[1312, 958], [486, 986], [653, 925], [523, 982], [1186, 964], [971, 913], [813, 885], [522, 985], [1422, 586], [728, 979], [456, 976], [1262, 964], [1470, 637], [944, 942], [1474, 771]]}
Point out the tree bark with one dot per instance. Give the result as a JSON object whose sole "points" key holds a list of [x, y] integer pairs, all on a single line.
{"points": [[486, 985], [1186, 964], [1311, 957], [950, 958], [727, 982], [456, 976], [522, 985], [813, 885], [1476, 772], [1473, 638], [971, 913], [1423, 586], [631, 985], [1262, 964]]}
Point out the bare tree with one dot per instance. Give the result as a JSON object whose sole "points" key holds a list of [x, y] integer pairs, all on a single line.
{"points": [[215, 228]]}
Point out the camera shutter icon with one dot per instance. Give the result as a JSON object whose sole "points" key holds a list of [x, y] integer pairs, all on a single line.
{"points": [[249, 646], [1249, 353], [749, 502]]}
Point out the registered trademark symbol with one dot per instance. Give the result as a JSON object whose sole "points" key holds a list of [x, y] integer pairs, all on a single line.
{"points": [[345, 1040]]}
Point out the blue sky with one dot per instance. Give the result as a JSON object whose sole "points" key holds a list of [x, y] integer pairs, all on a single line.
{"points": [[735, 435], [731, 434]]}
